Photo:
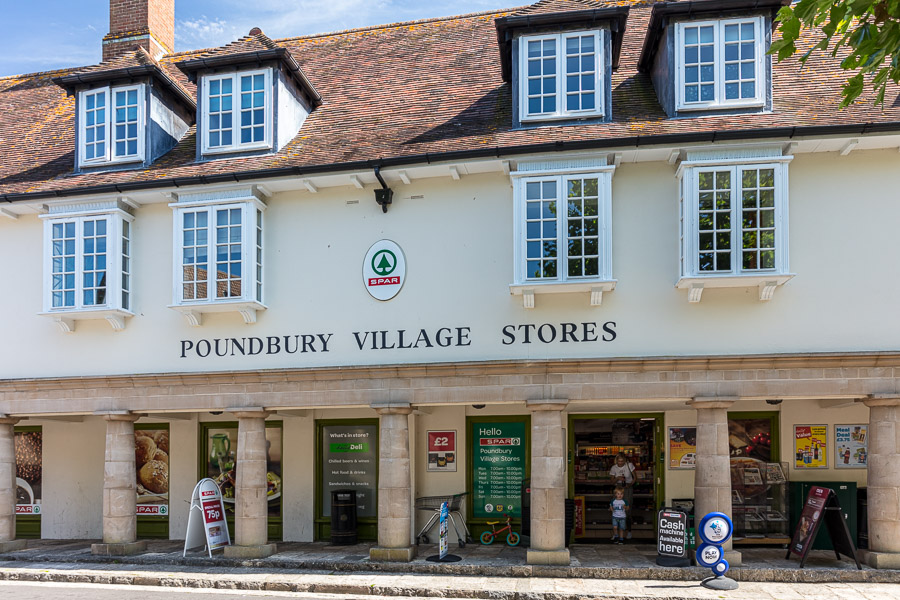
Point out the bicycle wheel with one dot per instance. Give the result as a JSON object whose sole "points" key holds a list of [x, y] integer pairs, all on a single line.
{"points": [[487, 537], [513, 539]]}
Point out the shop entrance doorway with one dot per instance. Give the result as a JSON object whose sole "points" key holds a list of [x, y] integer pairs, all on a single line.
{"points": [[594, 443]]}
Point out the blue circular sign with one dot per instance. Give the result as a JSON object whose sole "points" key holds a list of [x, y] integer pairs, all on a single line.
{"points": [[721, 567], [715, 528]]}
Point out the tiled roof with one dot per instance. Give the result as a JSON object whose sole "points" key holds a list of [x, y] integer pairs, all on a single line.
{"points": [[256, 41], [414, 92]]}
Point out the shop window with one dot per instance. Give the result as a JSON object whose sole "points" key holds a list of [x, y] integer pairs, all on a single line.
{"points": [[151, 461], [87, 264], [734, 230], [720, 64], [219, 462], [218, 255], [29, 443], [563, 231], [347, 458]]}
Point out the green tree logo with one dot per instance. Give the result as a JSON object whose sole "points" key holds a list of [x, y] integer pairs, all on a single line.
{"points": [[384, 262]]}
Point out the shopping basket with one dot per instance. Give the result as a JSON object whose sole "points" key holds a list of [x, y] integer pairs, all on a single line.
{"points": [[433, 504]]}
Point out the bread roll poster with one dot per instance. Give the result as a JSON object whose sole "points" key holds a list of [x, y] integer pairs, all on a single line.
{"points": [[151, 461]]}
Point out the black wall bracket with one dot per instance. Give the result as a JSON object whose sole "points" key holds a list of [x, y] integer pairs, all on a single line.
{"points": [[385, 195]]}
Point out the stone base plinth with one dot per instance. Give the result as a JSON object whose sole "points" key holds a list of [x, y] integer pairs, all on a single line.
{"points": [[880, 560], [548, 557], [124, 549], [261, 551], [12, 546], [392, 554]]}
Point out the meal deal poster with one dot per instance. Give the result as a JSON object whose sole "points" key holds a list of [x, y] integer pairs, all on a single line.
{"points": [[851, 446], [442, 451], [682, 447], [498, 468], [809, 446]]}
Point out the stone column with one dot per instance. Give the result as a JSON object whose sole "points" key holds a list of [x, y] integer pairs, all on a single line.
{"points": [[548, 484], [251, 503], [712, 474], [119, 482], [8, 541], [883, 481], [394, 488]]}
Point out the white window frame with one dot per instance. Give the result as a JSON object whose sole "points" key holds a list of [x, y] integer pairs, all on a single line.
{"points": [[252, 287], [109, 156], [595, 285], [114, 309], [695, 280], [236, 145], [561, 112], [719, 48]]}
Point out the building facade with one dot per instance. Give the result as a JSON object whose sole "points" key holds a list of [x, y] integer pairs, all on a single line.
{"points": [[473, 255]]}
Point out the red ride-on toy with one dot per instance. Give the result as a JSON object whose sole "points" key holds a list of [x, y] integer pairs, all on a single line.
{"points": [[512, 538]]}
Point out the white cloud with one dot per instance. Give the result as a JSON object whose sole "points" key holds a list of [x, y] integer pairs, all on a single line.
{"points": [[203, 32]]}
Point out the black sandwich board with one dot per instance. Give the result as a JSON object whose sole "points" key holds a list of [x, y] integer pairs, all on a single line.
{"points": [[822, 505], [672, 538]]}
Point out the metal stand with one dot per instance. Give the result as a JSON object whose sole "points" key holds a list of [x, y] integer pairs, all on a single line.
{"points": [[719, 583]]}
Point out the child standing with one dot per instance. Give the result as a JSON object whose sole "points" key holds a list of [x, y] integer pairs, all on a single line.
{"points": [[619, 507], [622, 475]]}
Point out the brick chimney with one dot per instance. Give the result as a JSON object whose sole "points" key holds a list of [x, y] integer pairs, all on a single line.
{"points": [[148, 24]]}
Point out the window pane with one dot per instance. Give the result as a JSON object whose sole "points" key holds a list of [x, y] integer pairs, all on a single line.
{"points": [[581, 74], [218, 107], [699, 63], [714, 220], [541, 228], [95, 125], [583, 234], [758, 221]]}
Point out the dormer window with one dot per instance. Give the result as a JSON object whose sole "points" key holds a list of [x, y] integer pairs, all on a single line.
{"points": [[720, 64], [561, 75], [112, 125], [237, 111]]}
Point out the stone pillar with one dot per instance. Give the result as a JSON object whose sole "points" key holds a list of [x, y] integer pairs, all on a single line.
{"points": [[883, 482], [251, 503], [394, 488], [8, 541], [119, 482], [548, 484], [712, 474]]}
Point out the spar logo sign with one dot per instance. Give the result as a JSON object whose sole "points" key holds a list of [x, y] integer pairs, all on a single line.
{"points": [[384, 270]]}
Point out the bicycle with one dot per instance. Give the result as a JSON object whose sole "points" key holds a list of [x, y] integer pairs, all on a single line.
{"points": [[512, 538]]}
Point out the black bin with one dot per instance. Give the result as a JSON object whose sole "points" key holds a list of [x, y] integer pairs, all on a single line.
{"points": [[343, 517]]}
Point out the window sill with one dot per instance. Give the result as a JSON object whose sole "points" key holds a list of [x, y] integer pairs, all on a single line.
{"points": [[65, 319], [594, 288], [722, 106], [765, 282], [562, 117], [193, 313], [235, 149]]}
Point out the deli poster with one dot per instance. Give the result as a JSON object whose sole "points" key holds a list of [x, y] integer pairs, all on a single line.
{"points": [[809, 446], [851, 446]]}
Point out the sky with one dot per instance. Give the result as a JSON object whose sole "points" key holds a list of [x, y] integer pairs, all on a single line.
{"points": [[42, 35]]}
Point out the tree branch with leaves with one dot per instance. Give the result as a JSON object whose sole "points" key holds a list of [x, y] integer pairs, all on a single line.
{"points": [[868, 31]]}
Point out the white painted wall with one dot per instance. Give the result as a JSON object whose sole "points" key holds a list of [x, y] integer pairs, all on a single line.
{"points": [[458, 244]]}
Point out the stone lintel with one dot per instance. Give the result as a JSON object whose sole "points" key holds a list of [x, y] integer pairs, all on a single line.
{"points": [[392, 408], [889, 399], [261, 551], [379, 554], [880, 560], [121, 549], [547, 404], [548, 557], [12, 545], [118, 415], [701, 402], [8, 420], [250, 412]]}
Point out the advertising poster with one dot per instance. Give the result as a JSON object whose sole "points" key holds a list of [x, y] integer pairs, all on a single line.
{"points": [[221, 457], [350, 454], [151, 463], [810, 519], [29, 457], [809, 446], [750, 438], [498, 468], [442, 451], [682, 447], [851, 446]]}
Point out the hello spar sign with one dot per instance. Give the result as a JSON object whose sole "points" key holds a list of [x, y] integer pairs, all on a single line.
{"points": [[499, 453]]}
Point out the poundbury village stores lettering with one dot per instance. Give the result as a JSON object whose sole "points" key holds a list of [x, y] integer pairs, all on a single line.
{"points": [[401, 339]]}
